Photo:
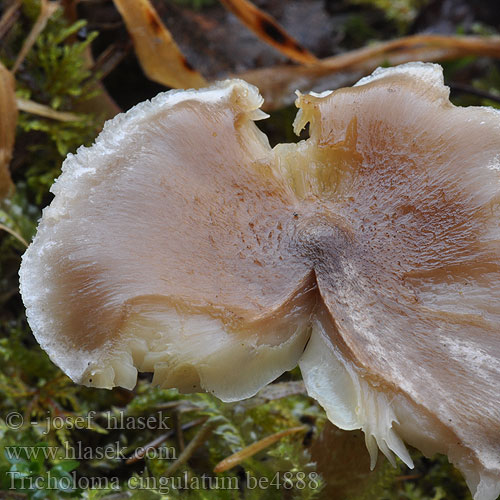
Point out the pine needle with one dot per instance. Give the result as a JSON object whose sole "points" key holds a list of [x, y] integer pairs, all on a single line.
{"points": [[46, 10], [3, 227], [36, 108], [249, 451]]}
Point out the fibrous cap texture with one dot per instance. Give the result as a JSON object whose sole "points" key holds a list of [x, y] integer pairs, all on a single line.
{"points": [[183, 244]]}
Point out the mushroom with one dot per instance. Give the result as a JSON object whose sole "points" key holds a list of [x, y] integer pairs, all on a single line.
{"points": [[181, 243]]}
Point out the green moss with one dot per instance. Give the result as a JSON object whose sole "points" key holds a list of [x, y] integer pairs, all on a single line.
{"points": [[54, 73]]}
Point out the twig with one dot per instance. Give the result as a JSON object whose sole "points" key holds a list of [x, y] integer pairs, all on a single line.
{"points": [[110, 58], [46, 10], [42, 110], [249, 451], [278, 84], [469, 89], [466, 45], [161, 439], [180, 433], [195, 443], [13, 233], [9, 17]]}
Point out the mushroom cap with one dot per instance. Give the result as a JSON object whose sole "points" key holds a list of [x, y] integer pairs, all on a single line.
{"points": [[410, 312], [162, 251], [182, 243]]}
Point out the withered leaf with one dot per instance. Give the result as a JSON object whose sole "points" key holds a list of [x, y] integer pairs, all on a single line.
{"points": [[160, 57], [268, 29], [8, 121], [278, 83]]}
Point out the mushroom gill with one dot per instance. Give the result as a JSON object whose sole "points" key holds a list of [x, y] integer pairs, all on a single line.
{"points": [[182, 243]]}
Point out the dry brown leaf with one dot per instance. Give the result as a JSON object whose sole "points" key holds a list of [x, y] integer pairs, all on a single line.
{"points": [[8, 120], [38, 109], [46, 10], [158, 54], [279, 83], [268, 29]]}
